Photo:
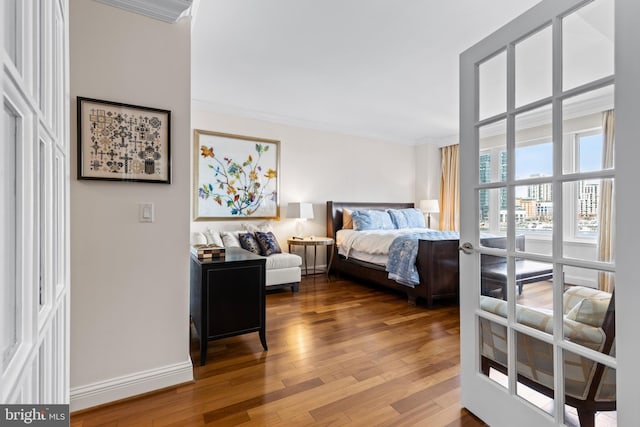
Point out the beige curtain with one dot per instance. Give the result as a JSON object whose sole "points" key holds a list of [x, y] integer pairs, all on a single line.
{"points": [[606, 207], [450, 188]]}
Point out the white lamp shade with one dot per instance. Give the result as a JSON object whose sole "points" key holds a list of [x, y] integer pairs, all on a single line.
{"points": [[430, 206], [300, 210]]}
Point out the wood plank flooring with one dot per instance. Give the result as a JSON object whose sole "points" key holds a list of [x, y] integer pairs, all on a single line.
{"points": [[340, 353]]}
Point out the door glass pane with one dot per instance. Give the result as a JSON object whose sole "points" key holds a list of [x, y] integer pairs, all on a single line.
{"points": [[493, 281], [534, 289], [535, 366], [493, 211], [588, 306], [533, 67], [493, 152], [589, 219], [534, 218], [588, 38], [587, 131], [534, 148], [581, 376], [11, 29], [9, 289], [493, 348], [493, 86]]}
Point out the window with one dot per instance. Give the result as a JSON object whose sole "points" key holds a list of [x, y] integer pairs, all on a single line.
{"points": [[534, 202]]}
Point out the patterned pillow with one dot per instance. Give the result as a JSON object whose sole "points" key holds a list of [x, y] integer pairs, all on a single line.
{"points": [[590, 311], [372, 220], [249, 242], [268, 243]]}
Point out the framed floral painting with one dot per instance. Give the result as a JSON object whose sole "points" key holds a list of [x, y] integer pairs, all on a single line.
{"points": [[122, 142], [235, 176]]}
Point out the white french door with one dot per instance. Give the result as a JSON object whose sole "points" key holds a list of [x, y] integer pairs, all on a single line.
{"points": [[537, 214], [34, 187]]}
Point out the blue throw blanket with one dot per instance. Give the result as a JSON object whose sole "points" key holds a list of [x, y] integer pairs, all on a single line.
{"points": [[403, 251]]}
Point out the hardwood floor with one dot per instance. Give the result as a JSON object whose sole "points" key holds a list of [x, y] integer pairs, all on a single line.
{"points": [[340, 353]]}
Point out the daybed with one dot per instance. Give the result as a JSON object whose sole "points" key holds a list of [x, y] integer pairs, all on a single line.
{"points": [[436, 262], [282, 269]]}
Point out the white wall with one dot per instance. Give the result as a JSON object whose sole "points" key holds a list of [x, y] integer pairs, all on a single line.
{"points": [[317, 166], [428, 176], [130, 280]]}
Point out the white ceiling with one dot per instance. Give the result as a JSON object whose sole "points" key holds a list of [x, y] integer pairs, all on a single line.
{"points": [[377, 68]]}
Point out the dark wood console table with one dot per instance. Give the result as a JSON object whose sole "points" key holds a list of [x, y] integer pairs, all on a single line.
{"points": [[228, 297]]}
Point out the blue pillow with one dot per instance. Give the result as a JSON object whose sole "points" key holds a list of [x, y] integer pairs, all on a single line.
{"points": [[268, 243], [398, 218], [249, 242], [371, 220], [407, 218]]}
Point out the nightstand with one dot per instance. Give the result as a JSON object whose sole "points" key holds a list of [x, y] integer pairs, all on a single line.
{"points": [[315, 242]]}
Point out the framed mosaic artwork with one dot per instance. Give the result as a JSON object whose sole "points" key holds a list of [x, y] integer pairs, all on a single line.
{"points": [[121, 142], [235, 177]]}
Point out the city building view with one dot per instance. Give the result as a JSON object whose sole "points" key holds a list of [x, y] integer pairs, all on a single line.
{"points": [[534, 203]]}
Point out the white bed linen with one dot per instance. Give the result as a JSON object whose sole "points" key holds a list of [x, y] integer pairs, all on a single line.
{"points": [[371, 242]]}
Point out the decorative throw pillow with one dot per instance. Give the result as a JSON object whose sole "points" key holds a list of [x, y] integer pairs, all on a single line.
{"points": [[371, 220], [248, 241], [213, 237], [268, 243], [347, 219], [589, 311], [230, 239]]}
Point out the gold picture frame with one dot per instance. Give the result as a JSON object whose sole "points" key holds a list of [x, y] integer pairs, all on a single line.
{"points": [[235, 177]]}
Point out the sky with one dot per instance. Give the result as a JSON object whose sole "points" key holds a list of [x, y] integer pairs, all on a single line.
{"points": [[538, 159]]}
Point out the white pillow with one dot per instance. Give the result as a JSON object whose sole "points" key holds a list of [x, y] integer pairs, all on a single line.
{"points": [[252, 227], [213, 237], [198, 238], [231, 239]]}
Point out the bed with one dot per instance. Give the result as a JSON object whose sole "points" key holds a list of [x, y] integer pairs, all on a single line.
{"points": [[436, 260]]}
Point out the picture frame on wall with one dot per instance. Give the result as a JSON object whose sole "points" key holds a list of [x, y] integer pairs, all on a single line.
{"points": [[235, 177], [123, 142]]}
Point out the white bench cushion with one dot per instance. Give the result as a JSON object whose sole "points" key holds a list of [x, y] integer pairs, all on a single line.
{"points": [[283, 260]]}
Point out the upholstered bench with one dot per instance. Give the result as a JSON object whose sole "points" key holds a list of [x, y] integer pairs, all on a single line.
{"points": [[282, 269]]}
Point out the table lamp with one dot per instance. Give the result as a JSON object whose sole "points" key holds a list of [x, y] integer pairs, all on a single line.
{"points": [[428, 207]]}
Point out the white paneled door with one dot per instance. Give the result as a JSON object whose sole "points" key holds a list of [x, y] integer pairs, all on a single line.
{"points": [[34, 187], [538, 217]]}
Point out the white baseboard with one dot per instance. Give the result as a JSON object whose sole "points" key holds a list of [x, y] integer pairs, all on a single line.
{"points": [[118, 388]]}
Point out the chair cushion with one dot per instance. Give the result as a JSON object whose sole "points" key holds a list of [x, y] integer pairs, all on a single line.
{"points": [[590, 311], [283, 260]]}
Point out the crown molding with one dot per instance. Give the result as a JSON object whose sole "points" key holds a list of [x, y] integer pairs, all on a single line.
{"points": [[163, 10], [213, 107]]}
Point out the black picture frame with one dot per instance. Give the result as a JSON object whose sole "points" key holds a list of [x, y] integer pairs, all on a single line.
{"points": [[123, 142]]}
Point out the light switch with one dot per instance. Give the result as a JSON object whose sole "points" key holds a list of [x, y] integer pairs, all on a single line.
{"points": [[146, 213]]}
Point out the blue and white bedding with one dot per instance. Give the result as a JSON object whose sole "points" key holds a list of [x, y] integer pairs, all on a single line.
{"points": [[403, 251], [396, 250]]}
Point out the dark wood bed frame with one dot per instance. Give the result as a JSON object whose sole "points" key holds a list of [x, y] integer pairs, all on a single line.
{"points": [[437, 260]]}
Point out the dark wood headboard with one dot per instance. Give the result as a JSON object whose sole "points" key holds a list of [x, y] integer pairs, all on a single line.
{"points": [[334, 212]]}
